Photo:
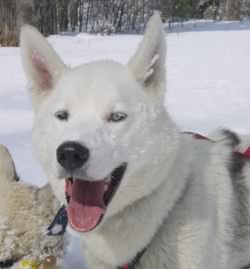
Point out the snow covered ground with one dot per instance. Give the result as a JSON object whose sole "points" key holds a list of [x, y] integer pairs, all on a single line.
{"points": [[208, 69]]}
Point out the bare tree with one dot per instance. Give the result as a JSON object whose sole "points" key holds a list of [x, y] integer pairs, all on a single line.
{"points": [[8, 30], [232, 10]]}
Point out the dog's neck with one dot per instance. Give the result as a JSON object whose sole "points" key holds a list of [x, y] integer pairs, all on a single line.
{"points": [[118, 245]]}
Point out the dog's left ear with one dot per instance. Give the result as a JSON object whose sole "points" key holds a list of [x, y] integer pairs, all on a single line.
{"points": [[148, 63]]}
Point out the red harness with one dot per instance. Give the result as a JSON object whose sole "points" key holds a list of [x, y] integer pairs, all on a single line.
{"points": [[134, 262], [245, 152]]}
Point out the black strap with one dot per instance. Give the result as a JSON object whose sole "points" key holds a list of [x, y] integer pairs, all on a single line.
{"points": [[136, 260], [246, 267], [59, 224], [8, 263]]}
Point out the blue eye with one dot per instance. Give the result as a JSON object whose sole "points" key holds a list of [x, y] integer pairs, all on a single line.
{"points": [[117, 117], [62, 115]]}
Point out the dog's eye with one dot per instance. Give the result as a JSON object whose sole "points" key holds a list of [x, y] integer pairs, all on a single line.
{"points": [[62, 115], [117, 116]]}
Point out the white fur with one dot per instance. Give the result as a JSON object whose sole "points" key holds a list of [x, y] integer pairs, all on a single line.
{"points": [[175, 198]]}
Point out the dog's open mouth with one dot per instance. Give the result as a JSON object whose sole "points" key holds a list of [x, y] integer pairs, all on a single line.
{"points": [[88, 200]]}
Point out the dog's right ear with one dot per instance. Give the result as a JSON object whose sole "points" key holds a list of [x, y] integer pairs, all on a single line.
{"points": [[7, 166], [41, 63]]}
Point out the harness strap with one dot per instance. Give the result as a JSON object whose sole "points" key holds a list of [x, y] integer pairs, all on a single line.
{"points": [[198, 136], [134, 262], [246, 267], [59, 224], [247, 153], [244, 152], [7, 263]]}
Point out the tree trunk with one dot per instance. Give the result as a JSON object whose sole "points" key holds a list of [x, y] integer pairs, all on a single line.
{"points": [[8, 30]]}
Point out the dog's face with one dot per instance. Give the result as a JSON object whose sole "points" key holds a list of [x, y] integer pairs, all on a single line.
{"points": [[96, 122], [94, 113]]}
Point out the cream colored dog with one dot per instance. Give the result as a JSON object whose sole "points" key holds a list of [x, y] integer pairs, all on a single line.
{"points": [[25, 213]]}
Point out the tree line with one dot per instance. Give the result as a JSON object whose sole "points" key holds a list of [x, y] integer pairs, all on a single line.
{"points": [[108, 16]]}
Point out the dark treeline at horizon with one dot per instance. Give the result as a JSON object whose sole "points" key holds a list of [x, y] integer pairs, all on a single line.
{"points": [[108, 16]]}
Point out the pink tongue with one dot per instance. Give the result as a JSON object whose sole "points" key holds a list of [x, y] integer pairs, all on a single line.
{"points": [[86, 206]]}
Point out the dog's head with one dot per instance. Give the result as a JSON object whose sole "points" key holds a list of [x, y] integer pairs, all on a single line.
{"points": [[99, 125]]}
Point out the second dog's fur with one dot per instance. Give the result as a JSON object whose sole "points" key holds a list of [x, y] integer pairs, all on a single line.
{"points": [[25, 214]]}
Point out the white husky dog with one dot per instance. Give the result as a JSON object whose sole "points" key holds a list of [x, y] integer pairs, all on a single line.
{"points": [[139, 193]]}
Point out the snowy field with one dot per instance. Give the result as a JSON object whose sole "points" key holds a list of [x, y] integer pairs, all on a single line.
{"points": [[208, 70]]}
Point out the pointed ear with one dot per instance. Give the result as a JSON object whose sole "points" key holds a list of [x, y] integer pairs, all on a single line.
{"points": [[148, 63], [42, 65], [7, 166]]}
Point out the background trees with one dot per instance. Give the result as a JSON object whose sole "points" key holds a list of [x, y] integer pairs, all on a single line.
{"points": [[108, 16], [8, 29]]}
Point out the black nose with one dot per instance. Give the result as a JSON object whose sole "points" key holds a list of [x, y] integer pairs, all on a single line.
{"points": [[72, 155]]}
